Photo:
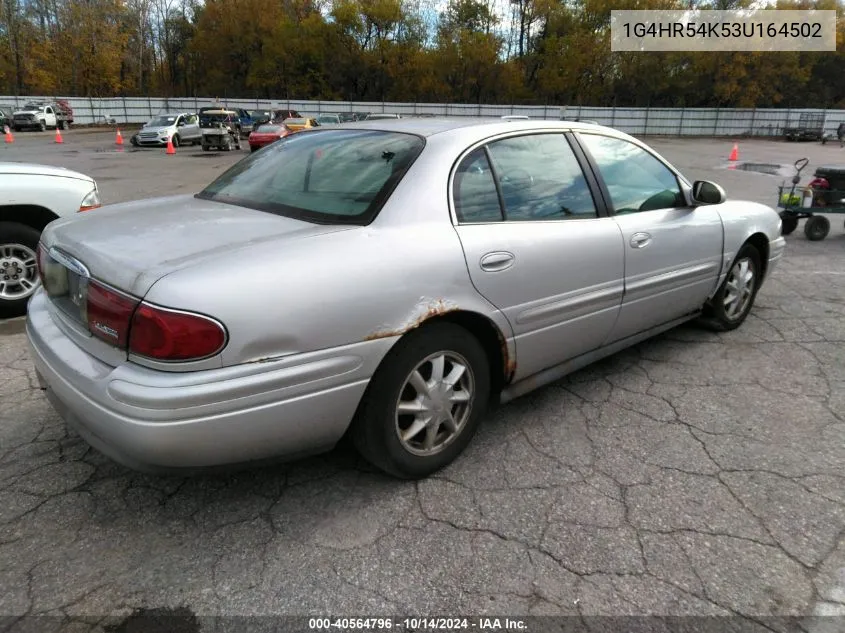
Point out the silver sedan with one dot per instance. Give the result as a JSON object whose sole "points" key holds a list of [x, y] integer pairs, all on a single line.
{"points": [[385, 280]]}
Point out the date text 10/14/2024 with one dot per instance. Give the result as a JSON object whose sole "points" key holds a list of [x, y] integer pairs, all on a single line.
{"points": [[482, 624]]}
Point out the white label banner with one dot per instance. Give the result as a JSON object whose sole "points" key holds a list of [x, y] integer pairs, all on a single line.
{"points": [[715, 31]]}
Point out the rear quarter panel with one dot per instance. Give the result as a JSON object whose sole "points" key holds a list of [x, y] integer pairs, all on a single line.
{"points": [[366, 283]]}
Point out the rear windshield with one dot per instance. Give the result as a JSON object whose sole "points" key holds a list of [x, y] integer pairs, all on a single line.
{"points": [[269, 129], [323, 176]]}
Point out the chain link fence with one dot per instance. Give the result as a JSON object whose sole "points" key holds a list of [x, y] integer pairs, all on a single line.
{"points": [[638, 121]]}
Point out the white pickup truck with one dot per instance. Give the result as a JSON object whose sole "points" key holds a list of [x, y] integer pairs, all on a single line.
{"points": [[32, 196], [40, 116]]}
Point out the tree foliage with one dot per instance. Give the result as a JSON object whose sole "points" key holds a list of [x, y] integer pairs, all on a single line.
{"points": [[467, 51]]}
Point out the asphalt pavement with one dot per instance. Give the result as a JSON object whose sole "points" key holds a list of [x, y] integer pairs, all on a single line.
{"points": [[696, 474]]}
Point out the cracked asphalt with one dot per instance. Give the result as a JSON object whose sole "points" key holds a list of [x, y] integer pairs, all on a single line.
{"points": [[696, 474]]}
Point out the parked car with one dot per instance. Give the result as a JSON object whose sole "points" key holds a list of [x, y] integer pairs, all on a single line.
{"points": [[221, 129], [377, 116], [281, 115], [6, 116], [328, 119], [182, 127], [428, 281], [40, 115], [300, 123], [244, 122], [32, 196], [260, 117], [266, 134]]}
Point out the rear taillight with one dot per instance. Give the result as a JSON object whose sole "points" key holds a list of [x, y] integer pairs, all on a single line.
{"points": [[173, 335], [109, 314]]}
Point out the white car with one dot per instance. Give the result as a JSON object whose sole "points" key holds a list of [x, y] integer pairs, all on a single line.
{"points": [[32, 196]]}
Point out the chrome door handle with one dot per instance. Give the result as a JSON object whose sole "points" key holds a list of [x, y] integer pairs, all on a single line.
{"points": [[496, 261], [640, 240]]}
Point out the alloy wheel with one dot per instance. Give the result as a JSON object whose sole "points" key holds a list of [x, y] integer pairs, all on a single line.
{"points": [[434, 403], [739, 288], [18, 272]]}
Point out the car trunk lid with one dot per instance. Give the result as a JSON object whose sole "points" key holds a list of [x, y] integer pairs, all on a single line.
{"points": [[130, 246]]}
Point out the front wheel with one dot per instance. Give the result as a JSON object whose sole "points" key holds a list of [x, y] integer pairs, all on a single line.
{"points": [[732, 302], [424, 403], [18, 271], [816, 228], [205, 147], [176, 140], [42, 125]]}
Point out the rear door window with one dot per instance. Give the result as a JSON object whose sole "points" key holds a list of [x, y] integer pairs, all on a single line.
{"points": [[540, 179]]}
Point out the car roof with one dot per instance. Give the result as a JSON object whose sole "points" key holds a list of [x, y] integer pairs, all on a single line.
{"points": [[431, 126]]}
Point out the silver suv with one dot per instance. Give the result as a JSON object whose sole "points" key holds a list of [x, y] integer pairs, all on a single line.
{"points": [[182, 127]]}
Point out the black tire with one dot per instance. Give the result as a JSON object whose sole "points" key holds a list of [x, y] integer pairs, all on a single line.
{"points": [[17, 128], [374, 430], [134, 141], [16, 233], [205, 147], [252, 148], [176, 141], [816, 228], [63, 125], [42, 125], [789, 223], [715, 316]]}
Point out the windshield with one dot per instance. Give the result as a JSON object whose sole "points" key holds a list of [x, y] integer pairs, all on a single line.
{"points": [[261, 114], [328, 118], [269, 129], [295, 121], [162, 121], [330, 177]]}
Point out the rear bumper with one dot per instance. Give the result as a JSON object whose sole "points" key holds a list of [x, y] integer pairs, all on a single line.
{"points": [[152, 420]]}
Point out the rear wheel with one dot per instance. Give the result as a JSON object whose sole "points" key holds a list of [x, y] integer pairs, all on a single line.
{"points": [[425, 401], [205, 147], [816, 228], [63, 125], [18, 271], [734, 299]]}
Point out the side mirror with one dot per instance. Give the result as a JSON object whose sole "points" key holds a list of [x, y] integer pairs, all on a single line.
{"points": [[705, 192]]}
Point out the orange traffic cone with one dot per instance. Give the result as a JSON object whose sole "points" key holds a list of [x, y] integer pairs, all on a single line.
{"points": [[9, 137], [59, 138], [734, 153], [170, 148], [118, 139]]}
